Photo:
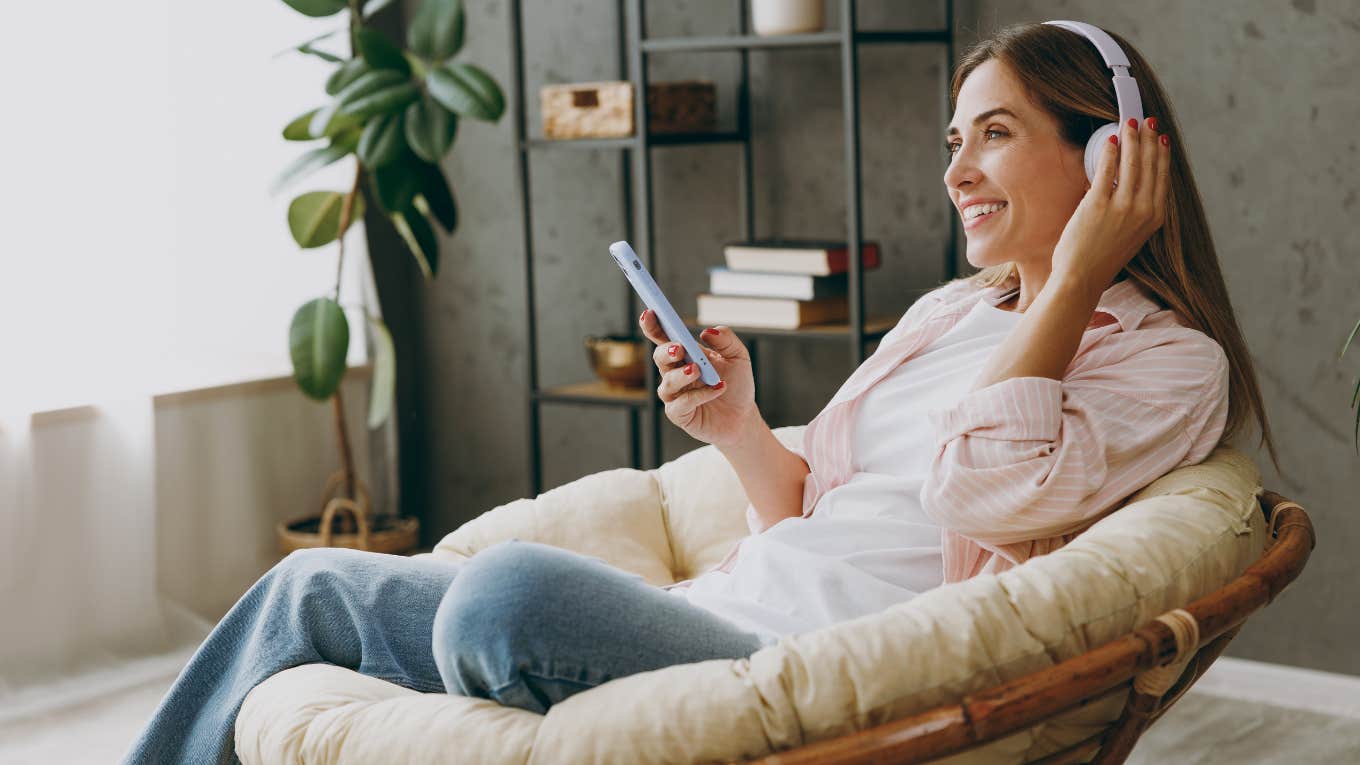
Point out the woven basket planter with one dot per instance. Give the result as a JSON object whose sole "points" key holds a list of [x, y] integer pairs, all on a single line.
{"points": [[384, 534]]}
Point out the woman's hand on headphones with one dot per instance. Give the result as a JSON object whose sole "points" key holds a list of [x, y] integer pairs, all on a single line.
{"points": [[1112, 222]]}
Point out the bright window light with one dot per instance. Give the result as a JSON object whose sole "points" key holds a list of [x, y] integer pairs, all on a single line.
{"points": [[140, 245]]}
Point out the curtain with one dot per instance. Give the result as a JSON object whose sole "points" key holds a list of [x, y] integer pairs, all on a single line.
{"points": [[77, 546], [142, 252]]}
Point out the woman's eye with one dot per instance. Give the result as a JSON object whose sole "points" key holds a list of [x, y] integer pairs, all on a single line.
{"points": [[953, 146]]}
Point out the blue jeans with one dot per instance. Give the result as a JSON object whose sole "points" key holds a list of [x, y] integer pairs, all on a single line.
{"points": [[522, 623]]}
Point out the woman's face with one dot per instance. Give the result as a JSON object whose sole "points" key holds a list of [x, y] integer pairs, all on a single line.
{"points": [[1017, 158]]}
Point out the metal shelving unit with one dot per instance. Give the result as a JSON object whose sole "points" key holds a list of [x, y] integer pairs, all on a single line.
{"points": [[637, 195]]}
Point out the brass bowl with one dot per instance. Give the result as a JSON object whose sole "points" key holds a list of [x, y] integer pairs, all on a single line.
{"points": [[619, 360]]}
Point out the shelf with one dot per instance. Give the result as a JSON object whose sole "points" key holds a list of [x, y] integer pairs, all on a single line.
{"points": [[631, 142], [740, 42], [594, 392], [874, 327], [637, 182], [815, 40]]}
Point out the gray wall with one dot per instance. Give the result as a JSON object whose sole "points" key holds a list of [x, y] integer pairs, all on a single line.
{"points": [[1266, 96]]}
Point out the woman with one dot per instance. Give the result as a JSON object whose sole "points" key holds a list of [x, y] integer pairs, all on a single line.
{"points": [[1095, 351]]}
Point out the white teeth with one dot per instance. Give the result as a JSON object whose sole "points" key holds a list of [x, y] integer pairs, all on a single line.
{"points": [[976, 210]]}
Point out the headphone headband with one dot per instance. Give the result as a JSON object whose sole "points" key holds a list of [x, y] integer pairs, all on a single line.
{"points": [[1125, 87]]}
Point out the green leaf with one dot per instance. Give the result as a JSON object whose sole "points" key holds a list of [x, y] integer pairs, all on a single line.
{"points": [[297, 129], [314, 217], [317, 342], [384, 374], [328, 122], [396, 183], [373, 6], [321, 54], [316, 8], [436, 30], [420, 239], [464, 89], [437, 197], [430, 129], [332, 117], [314, 160], [345, 74], [1348, 340], [379, 52], [316, 39], [383, 101], [381, 143], [367, 83]]}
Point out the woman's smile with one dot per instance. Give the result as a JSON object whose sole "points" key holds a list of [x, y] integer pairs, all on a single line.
{"points": [[971, 223]]}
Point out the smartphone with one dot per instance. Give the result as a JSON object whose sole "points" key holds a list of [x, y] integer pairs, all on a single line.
{"points": [[651, 295]]}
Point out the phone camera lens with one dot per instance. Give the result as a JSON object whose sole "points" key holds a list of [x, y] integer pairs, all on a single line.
{"points": [[637, 265]]}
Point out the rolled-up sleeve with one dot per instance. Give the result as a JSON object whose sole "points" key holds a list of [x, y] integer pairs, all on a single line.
{"points": [[1031, 457]]}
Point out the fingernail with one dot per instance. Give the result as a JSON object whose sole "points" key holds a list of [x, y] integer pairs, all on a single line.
{"points": [[1166, 140], [1114, 139], [720, 385], [709, 331], [674, 350], [689, 369], [1133, 123], [642, 317], [1152, 122]]}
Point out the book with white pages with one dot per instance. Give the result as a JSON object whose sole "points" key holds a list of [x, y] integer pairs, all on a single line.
{"points": [[770, 313], [728, 281]]}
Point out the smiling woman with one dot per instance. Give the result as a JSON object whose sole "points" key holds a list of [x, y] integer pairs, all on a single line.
{"points": [[1025, 102]]}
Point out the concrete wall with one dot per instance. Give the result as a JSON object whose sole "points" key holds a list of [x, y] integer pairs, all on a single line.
{"points": [[1264, 92]]}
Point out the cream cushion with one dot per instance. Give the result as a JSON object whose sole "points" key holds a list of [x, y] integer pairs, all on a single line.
{"points": [[1179, 538]]}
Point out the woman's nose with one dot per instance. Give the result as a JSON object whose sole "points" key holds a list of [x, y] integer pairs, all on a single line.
{"points": [[961, 168]]}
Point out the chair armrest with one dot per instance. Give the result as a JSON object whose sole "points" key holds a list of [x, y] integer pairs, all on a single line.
{"points": [[614, 515]]}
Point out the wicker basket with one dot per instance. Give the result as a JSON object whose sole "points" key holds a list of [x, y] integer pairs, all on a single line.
{"points": [[605, 109], [393, 535]]}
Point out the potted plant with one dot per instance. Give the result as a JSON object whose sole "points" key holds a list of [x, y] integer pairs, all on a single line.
{"points": [[396, 109]]}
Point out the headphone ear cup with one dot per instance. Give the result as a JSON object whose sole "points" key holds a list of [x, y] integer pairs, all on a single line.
{"points": [[1096, 144]]}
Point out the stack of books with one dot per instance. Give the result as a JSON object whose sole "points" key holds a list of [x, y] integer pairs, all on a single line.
{"points": [[782, 283]]}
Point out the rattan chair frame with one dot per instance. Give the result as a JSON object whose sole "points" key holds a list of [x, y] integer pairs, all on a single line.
{"points": [[1004, 709]]}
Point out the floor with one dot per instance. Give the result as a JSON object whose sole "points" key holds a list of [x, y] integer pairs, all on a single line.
{"points": [[1225, 723]]}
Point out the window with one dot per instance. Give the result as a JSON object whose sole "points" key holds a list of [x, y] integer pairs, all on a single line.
{"points": [[140, 242]]}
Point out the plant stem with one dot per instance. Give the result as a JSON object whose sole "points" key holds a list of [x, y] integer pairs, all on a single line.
{"points": [[346, 458], [346, 212]]}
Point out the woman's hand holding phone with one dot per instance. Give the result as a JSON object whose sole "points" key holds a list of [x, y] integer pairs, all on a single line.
{"points": [[721, 414]]}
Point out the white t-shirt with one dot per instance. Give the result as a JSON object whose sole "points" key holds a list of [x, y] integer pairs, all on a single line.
{"points": [[867, 545]]}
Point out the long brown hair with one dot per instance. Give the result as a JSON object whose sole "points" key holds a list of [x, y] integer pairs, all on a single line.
{"points": [[1064, 75]]}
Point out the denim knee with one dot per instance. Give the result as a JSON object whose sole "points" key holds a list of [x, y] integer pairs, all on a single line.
{"points": [[485, 617], [312, 559], [311, 587]]}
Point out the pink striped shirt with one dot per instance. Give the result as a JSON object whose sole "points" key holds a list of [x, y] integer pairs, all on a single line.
{"points": [[1024, 465]]}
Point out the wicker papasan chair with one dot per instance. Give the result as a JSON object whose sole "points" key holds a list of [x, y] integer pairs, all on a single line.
{"points": [[1064, 659]]}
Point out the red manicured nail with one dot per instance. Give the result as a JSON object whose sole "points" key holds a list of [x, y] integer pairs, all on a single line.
{"points": [[720, 385], [1152, 122], [1114, 139], [1166, 140], [674, 350], [709, 331], [1133, 123], [689, 369]]}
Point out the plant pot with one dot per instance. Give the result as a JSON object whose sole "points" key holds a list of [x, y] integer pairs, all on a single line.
{"points": [[384, 534], [786, 17]]}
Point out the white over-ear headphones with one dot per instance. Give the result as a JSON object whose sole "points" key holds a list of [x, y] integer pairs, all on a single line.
{"points": [[1125, 88]]}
